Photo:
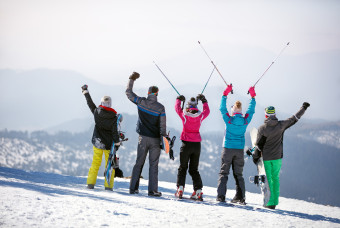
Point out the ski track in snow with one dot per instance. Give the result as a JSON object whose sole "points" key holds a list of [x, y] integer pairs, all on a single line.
{"points": [[35, 199]]}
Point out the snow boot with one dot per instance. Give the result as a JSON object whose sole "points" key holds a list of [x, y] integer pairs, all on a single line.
{"points": [[197, 195], [270, 207], [134, 191], [155, 193], [220, 199], [239, 200], [179, 192], [90, 186]]}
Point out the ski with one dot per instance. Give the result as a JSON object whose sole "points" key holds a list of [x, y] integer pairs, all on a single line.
{"points": [[113, 160]]}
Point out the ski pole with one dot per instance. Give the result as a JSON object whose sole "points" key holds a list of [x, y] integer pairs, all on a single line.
{"points": [[167, 78], [208, 80], [271, 64], [213, 64]]}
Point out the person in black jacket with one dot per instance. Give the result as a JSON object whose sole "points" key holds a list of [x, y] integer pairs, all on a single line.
{"points": [[105, 133], [269, 145], [151, 126]]}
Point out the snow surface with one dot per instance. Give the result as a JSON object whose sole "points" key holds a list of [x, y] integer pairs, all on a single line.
{"points": [[35, 199]]}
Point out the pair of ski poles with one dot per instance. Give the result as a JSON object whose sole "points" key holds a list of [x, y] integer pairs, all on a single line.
{"points": [[215, 67]]}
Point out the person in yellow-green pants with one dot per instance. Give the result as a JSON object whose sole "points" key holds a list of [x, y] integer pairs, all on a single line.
{"points": [[96, 162], [105, 133], [269, 145]]}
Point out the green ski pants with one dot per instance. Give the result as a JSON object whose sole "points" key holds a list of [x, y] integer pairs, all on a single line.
{"points": [[273, 168]]}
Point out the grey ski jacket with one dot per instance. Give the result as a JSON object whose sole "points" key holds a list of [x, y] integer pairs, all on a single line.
{"points": [[151, 114], [270, 136]]}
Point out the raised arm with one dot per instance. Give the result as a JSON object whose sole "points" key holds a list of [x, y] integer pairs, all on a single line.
{"points": [[224, 110], [178, 108], [129, 93], [89, 100], [206, 110], [292, 120], [223, 105], [251, 110]]}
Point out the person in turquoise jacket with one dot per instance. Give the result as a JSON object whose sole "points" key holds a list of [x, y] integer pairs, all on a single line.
{"points": [[233, 145]]}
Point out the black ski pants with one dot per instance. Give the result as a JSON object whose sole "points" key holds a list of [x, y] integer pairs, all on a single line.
{"points": [[234, 158], [189, 157]]}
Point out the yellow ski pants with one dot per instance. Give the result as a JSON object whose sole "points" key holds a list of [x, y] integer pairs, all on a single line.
{"points": [[96, 162]]}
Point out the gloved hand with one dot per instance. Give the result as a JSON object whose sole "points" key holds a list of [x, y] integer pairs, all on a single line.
{"points": [[252, 91], [117, 145], [202, 98], [171, 154], [181, 98], [256, 155], [305, 105], [168, 138], [84, 89], [228, 90], [134, 76]]}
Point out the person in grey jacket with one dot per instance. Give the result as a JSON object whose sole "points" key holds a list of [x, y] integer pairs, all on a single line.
{"points": [[269, 145], [151, 126]]}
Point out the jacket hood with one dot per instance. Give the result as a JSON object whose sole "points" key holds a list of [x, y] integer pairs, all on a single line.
{"points": [[237, 119], [271, 121], [192, 114], [106, 113], [152, 97]]}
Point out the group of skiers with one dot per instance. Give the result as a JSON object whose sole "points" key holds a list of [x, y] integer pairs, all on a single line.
{"points": [[151, 127]]}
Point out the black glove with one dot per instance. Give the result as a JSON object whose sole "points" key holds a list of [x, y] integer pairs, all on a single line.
{"points": [[181, 98], [84, 87], [202, 98], [256, 156], [134, 76], [171, 154], [305, 105]]}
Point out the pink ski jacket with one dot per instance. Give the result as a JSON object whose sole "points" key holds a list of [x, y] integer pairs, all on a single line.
{"points": [[191, 122]]}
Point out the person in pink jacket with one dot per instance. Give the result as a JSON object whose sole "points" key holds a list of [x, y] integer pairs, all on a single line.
{"points": [[191, 144]]}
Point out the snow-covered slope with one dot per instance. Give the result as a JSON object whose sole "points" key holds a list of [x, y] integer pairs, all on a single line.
{"points": [[35, 199]]}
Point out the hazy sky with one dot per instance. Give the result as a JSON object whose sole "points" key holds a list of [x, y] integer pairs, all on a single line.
{"points": [[97, 37], [108, 39]]}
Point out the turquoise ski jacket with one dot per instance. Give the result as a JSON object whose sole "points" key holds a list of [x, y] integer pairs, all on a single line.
{"points": [[236, 125]]}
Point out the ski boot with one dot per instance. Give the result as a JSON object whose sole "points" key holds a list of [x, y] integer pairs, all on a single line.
{"points": [[220, 199], [179, 192], [155, 193], [109, 189], [197, 195], [90, 186], [270, 207], [136, 191], [239, 200]]}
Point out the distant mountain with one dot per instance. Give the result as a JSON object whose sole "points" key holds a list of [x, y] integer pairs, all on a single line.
{"points": [[51, 100], [309, 169]]}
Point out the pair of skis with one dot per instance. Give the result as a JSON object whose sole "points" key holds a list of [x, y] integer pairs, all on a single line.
{"points": [[112, 162]]}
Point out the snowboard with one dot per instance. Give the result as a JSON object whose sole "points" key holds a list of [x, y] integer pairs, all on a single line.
{"points": [[113, 160], [261, 178]]}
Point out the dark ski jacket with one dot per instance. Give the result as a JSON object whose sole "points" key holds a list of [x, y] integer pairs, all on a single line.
{"points": [[105, 129], [270, 136], [151, 114]]}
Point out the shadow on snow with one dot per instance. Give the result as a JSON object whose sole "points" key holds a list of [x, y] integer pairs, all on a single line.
{"points": [[121, 188]]}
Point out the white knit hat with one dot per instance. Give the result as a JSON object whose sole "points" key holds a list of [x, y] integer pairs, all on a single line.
{"points": [[106, 101]]}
